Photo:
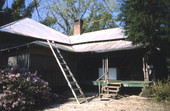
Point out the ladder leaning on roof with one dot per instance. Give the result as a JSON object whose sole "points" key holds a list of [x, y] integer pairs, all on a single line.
{"points": [[72, 83]]}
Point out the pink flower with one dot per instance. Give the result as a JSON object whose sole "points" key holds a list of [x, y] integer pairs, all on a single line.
{"points": [[4, 87], [14, 93], [15, 104], [0, 104], [23, 108], [2, 95], [23, 102], [5, 106], [18, 74], [11, 75], [28, 78]]}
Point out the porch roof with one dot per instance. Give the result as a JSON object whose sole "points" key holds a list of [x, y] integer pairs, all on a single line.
{"points": [[90, 47]]}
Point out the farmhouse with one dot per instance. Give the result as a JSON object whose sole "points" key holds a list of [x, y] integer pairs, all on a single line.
{"points": [[103, 58]]}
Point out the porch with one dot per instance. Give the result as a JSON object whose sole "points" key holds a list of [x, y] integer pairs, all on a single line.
{"points": [[124, 83], [113, 88]]}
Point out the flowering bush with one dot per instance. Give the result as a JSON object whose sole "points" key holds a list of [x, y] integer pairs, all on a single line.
{"points": [[22, 91], [158, 91]]}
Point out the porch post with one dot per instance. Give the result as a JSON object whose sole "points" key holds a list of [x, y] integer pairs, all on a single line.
{"points": [[145, 70], [105, 68]]}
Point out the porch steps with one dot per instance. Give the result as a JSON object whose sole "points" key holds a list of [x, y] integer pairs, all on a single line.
{"points": [[111, 90], [108, 95], [72, 82]]}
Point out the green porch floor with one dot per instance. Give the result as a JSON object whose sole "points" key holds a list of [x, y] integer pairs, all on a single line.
{"points": [[124, 83]]}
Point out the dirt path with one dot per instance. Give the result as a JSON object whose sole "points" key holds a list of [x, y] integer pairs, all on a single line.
{"points": [[131, 103]]}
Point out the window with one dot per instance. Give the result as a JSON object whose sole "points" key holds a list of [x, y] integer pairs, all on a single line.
{"points": [[112, 73], [21, 61], [12, 61]]}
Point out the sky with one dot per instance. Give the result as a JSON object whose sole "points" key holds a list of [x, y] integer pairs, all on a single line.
{"points": [[41, 10], [9, 2]]}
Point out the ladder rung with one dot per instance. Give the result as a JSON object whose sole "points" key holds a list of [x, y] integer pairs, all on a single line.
{"points": [[69, 75], [81, 95], [76, 89], [60, 55], [60, 58], [84, 100], [66, 69], [73, 82], [63, 63], [58, 52]]}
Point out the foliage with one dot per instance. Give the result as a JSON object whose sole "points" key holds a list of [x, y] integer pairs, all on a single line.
{"points": [[97, 14], [16, 11], [49, 21], [159, 91], [168, 64], [1, 4], [22, 91], [147, 22]]}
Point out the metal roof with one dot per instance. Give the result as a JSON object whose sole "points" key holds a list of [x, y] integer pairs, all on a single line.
{"points": [[97, 47], [104, 46], [31, 28], [101, 35], [98, 41]]}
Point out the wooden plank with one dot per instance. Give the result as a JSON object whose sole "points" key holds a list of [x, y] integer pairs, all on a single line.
{"points": [[107, 96], [111, 90], [115, 83], [145, 70], [102, 94], [116, 87]]}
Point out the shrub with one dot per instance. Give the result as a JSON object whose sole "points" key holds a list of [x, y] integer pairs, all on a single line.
{"points": [[22, 91], [159, 91]]}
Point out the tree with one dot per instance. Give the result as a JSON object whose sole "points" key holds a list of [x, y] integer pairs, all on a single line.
{"points": [[16, 11], [97, 14], [1, 4], [2, 12], [147, 22]]}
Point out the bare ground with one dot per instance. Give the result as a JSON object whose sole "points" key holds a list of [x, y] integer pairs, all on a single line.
{"points": [[129, 103]]}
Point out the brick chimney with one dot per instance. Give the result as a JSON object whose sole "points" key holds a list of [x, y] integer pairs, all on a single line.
{"points": [[78, 27]]}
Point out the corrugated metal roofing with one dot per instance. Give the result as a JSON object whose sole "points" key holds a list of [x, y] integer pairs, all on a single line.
{"points": [[101, 35], [104, 46], [31, 28], [98, 41], [98, 47]]}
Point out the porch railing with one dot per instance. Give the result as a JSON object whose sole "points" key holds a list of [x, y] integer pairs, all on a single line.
{"points": [[101, 76], [99, 84]]}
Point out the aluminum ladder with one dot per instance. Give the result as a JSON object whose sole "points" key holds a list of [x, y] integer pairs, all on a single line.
{"points": [[72, 82]]}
